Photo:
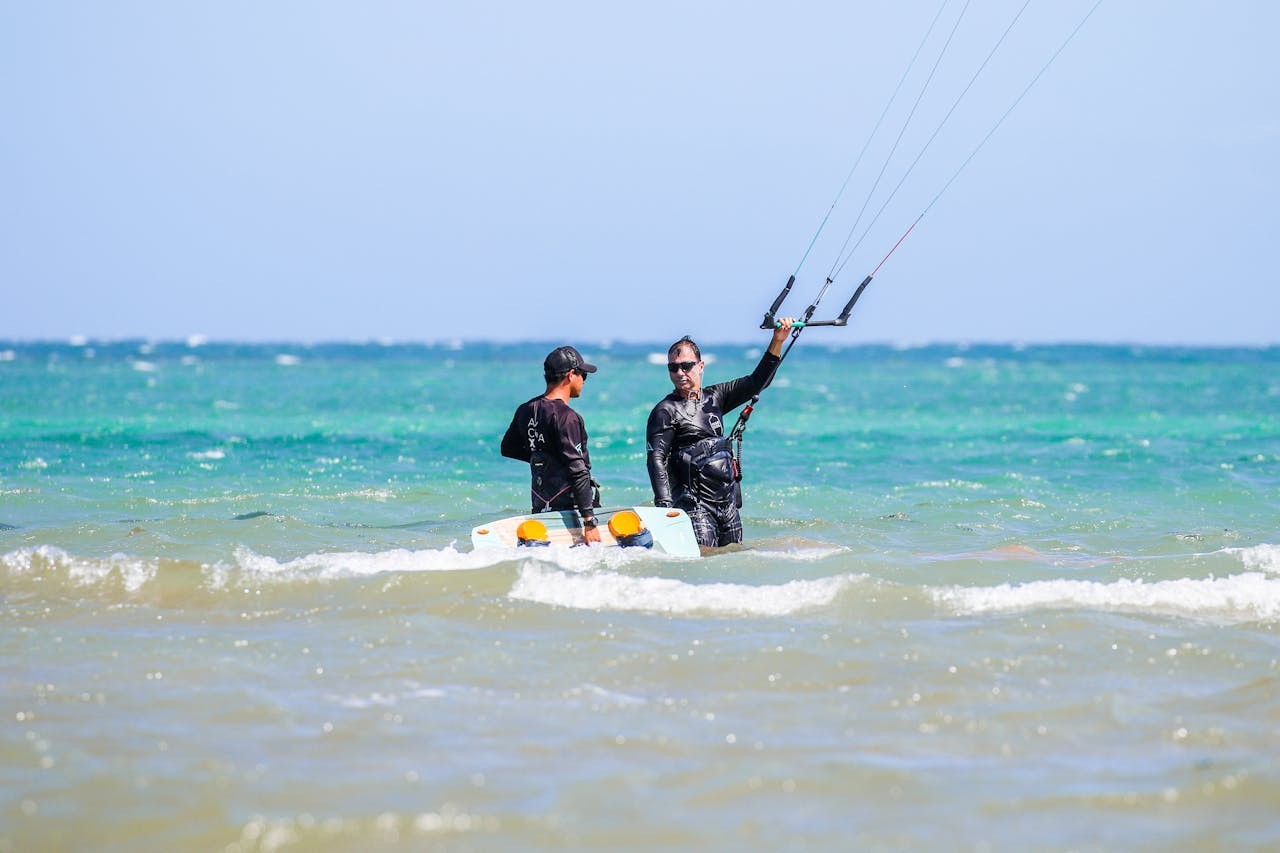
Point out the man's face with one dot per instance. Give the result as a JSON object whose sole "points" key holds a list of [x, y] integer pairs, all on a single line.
{"points": [[686, 375]]}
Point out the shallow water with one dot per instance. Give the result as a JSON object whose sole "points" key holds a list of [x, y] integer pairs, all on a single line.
{"points": [[992, 597]]}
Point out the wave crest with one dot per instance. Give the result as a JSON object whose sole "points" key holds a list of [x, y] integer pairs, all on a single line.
{"points": [[1238, 598], [1261, 558], [611, 591]]}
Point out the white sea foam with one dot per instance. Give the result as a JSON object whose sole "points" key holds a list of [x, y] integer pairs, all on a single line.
{"points": [[371, 494], [600, 697], [358, 564], [950, 484], [1245, 597], [1264, 558], [800, 551], [144, 366], [373, 700], [591, 559], [286, 360], [133, 572], [209, 454], [610, 591]]}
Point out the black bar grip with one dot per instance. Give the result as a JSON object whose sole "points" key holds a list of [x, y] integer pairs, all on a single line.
{"points": [[767, 323], [848, 309]]}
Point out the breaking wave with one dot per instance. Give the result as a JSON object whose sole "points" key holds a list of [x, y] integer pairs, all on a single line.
{"points": [[611, 591], [1240, 598]]}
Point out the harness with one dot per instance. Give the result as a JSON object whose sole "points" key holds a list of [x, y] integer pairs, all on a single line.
{"points": [[546, 502], [709, 471]]}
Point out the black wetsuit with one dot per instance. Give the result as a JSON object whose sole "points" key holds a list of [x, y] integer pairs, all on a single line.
{"points": [[689, 462], [552, 438]]}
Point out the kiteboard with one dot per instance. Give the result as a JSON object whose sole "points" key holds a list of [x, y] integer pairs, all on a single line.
{"points": [[660, 528]]}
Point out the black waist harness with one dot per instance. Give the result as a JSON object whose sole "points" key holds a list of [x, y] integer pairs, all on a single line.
{"points": [[552, 487], [707, 472]]}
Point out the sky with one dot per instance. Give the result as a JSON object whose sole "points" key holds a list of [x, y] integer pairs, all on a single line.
{"points": [[302, 170]]}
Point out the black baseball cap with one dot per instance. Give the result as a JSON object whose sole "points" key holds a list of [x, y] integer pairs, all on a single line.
{"points": [[561, 360]]}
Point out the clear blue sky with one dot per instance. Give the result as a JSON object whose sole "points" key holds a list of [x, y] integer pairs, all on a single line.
{"points": [[594, 171]]}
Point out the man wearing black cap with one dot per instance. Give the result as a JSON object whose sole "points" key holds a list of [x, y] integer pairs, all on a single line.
{"points": [[552, 438]]}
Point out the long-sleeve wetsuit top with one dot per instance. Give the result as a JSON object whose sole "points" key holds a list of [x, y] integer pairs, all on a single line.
{"points": [[677, 425], [552, 438]]}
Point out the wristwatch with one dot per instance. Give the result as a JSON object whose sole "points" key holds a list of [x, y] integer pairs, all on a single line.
{"points": [[589, 521]]}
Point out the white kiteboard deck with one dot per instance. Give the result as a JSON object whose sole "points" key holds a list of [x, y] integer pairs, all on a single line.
{"points": [[671, 529]]}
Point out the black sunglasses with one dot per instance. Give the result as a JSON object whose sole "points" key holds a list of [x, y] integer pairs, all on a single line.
{"points": [[686, 366], [582, 373]]}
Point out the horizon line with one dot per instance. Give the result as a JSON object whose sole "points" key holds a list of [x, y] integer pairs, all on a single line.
{"points": [[454, 343]]}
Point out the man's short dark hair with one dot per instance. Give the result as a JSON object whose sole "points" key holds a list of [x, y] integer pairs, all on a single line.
{"points": [[686, 341]]}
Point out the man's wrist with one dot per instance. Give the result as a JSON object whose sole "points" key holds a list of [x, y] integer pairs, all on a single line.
{"points": [[589, 521]]}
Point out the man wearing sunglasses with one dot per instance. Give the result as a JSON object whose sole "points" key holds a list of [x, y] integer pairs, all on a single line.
{"points": [[689, 462], [552, 438]]}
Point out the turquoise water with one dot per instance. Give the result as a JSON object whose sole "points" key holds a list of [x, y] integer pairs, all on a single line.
{"points": [[992, 597]]}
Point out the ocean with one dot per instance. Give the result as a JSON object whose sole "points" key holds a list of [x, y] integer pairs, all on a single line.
{"points": [[990, 598]]}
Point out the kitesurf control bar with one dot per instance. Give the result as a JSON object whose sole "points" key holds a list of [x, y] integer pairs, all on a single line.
{"points": [[740, 427], [842, 320], [735, 435]]}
